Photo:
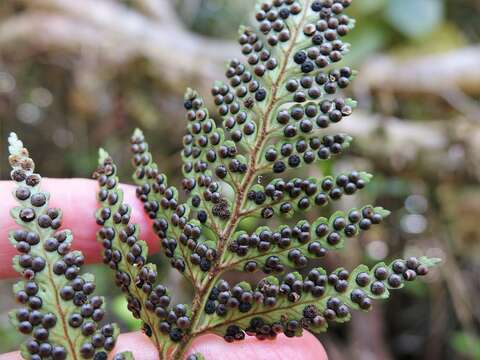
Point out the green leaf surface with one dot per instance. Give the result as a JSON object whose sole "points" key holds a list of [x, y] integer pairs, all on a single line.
{"points": [[59, 309], [127, 255], [179, 239], [287, 197], [292, 247], [311, 302]]}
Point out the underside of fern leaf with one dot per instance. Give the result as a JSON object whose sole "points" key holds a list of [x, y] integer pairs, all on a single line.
{"points": [[293, 303], [59, 312], [278, 111], [127, 255]]}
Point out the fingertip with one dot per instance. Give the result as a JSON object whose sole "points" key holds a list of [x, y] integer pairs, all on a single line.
{"points": [[11, 356], [214, 347], [78, 200], [138, 343], [306, 347]]}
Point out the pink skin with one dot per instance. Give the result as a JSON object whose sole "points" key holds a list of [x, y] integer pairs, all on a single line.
{"points": [[78, 215], [77, 199]]}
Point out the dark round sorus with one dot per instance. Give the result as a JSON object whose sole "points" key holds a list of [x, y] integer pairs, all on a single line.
{"points": [[394, 281], [399, 266], [38, 199], [27, 214], [32, 180], [19, 175], [22, 193], [381, 273], [59, 353], [409, 275], [363, 279], [422, 270], [377, 288]]}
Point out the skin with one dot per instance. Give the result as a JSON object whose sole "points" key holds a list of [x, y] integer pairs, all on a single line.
{"points": [[77, 198]]}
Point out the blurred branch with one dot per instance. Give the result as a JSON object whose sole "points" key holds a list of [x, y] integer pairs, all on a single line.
{"points": [[424, 74], [120, 34], [180, 55], [462, 102], [438, 321], [460, 293], [159, 9], [433, 148]]}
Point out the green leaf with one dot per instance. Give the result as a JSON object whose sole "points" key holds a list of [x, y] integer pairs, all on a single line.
{"points": [[205, 155], [286, 198], [58, 309], [312, 302], [415, 18], [127, 255], [180, 237], [281, 156], [282, 93], [273, 251]]}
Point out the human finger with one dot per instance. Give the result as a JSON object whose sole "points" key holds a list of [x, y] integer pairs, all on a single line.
{"points": [[78, 201]]}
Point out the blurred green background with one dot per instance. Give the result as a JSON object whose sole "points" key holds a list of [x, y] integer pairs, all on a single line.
{"points": [[76, 75]]}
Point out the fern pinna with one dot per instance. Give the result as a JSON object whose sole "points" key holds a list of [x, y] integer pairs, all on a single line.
{"points": [[275, 108], [60, 314]]}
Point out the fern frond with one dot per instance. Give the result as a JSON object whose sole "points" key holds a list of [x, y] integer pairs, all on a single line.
{"points": [[180, 237], [287, 197], [127, 255], [277, 112], [274, 251], [312, 302], [60, 313]]}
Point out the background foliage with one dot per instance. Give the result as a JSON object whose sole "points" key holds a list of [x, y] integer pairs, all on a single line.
{"points": [[85, 81]]}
